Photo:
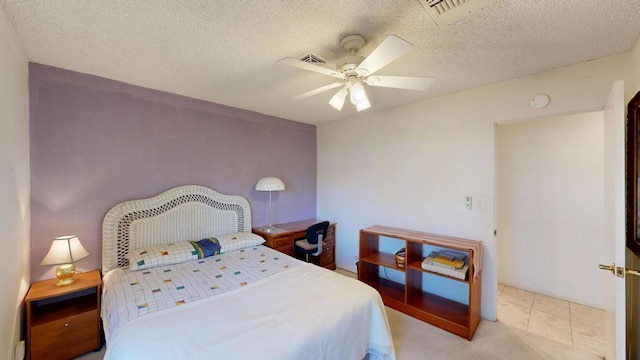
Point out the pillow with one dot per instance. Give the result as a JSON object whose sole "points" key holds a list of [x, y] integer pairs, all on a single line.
{"points": [[169, 254], [160, 255], [206, 247], [238, 241]]}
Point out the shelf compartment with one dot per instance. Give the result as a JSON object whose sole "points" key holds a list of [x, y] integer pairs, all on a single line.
{"points": [[389, 290], [417, 265], [382, 259], [440, 307], [64, 308]]}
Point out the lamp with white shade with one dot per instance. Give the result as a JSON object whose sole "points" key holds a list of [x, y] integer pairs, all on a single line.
{"points": [[65, 251], [269, 184]]}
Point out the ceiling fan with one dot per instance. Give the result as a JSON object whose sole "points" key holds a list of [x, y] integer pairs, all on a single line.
{"points": [[356, 71]]}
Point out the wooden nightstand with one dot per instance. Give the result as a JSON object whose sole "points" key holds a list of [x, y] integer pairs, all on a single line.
{"points": [[63, 321], [284, 235]]}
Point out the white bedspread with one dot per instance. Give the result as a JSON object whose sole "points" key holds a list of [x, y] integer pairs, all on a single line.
{"points": [[305, 312], [129, 294]]}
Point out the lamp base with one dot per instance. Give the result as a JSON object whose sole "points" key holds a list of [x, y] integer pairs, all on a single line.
{"points": [[268, 228], [65, 274]]}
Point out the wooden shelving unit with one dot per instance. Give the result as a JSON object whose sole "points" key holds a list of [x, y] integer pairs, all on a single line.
{"points": [[410, 298]]}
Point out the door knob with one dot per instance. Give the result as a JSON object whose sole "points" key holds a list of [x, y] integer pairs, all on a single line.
{"points": [[611, 268], [633, 272], [620, 271]]}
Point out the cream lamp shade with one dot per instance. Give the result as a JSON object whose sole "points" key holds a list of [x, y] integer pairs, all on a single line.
{"points": [[65, 251], [269, 183]]}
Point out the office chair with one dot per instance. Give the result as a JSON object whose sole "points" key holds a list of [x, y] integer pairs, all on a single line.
{"points": [[312, 245]]}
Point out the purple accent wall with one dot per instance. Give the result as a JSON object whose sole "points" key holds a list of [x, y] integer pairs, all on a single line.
{"points": [[97, 142]]}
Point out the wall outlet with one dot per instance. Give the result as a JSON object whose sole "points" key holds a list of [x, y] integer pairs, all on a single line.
{"points": [[469, 202]]}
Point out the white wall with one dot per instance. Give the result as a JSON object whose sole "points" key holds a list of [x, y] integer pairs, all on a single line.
{"points": [[412, 166], [636, 68], [551, 206], [14, 187]]}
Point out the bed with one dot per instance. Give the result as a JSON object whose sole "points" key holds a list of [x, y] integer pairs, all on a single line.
{"points": [[184, 278]]}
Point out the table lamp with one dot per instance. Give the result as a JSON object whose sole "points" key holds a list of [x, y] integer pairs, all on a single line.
{"points": [[269, 184], [65, 251]]}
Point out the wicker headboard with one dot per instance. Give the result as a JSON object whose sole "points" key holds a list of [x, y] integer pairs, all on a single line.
{"points": [[184, 213]]}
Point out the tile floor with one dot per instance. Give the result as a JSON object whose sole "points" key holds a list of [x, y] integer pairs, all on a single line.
{"points": [[579, 326]]}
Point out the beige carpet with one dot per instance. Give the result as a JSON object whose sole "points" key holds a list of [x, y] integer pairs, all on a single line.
{"points": [[414, 339]]}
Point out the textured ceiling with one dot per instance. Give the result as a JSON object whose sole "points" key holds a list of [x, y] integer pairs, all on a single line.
{"points": [[227, 51]]}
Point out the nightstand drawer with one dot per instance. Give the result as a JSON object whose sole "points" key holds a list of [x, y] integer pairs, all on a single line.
{"points": [[66, 337]]}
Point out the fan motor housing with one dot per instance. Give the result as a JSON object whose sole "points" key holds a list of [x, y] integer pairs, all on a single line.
{"points": [[353, 43], [349, 64]]}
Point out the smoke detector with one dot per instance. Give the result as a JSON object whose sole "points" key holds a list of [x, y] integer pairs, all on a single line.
{"points": [[540, 101]]}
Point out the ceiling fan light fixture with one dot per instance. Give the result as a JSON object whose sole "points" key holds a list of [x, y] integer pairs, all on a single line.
{"points": [[358, 96], [357, 93], [363, 105], [337, 101]]}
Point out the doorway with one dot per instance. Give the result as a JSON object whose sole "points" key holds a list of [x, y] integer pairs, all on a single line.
{"points": [[550, 226]]}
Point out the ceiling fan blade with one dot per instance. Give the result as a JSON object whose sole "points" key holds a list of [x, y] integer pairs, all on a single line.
{"points": [[401, 82], [317, 91], [391, 49], [311, 67]]}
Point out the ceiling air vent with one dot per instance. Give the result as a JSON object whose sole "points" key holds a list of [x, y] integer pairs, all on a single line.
{"points": [[442, 6], [313, 59], [449, 11]]}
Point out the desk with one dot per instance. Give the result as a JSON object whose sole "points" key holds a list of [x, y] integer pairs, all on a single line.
{"points": [[283, 236]]}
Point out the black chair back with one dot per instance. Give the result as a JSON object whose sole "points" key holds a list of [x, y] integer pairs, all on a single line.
{"points": [[317, 232]]}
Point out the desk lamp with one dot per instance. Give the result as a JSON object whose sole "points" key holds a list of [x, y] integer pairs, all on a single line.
{"points": [[269, 184], [65, 251]]}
